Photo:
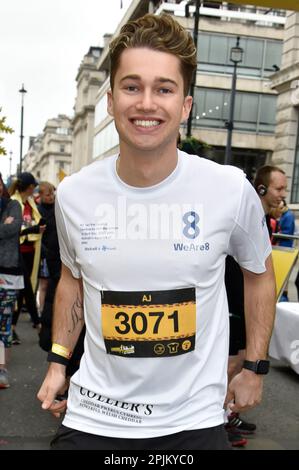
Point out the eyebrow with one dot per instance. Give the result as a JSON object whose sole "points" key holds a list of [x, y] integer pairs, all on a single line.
{"points": [[157, 79]]}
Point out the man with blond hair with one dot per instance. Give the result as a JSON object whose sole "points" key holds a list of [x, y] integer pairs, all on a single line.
{"points": [[151, 290]]}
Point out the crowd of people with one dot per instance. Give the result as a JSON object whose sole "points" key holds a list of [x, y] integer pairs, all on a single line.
{"points": [[161, 367], [30, 263], [28, 244], [29, 239], [28, 233]]}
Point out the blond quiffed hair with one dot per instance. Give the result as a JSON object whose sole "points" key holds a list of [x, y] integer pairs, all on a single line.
{"points": [[160, 33]]}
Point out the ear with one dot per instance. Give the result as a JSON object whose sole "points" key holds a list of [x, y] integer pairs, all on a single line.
{"points": [[187, 106], [110, 103]]}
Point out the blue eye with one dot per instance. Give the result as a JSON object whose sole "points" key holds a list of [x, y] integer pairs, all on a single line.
{"points": [[165, 91]]}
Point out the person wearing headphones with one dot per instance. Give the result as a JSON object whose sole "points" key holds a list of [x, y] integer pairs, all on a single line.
{"points": [[271, 185]]}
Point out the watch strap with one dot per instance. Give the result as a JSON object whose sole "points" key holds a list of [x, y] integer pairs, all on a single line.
{"points": [[258, 367]]}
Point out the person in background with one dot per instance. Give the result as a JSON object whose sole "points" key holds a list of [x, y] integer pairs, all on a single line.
{"points": [[50, 249], [286, 225], [50, 238], [270, 184], [11, 279], [275, 214], [30, 240], [46, 208]]}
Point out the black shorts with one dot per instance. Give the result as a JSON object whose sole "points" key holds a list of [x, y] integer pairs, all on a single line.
{"points": [[202, 439]]}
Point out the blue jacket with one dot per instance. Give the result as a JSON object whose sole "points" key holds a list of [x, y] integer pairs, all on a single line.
{"points": [[287, 226]]}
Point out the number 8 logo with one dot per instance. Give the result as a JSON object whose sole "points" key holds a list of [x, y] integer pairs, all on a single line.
{"points": [[191, 229]]}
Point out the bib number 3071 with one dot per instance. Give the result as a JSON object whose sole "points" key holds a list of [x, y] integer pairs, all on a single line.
{"points": [[149, 324]]}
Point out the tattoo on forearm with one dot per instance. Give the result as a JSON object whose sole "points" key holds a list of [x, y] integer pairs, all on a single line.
{"points": [[76, 314]]}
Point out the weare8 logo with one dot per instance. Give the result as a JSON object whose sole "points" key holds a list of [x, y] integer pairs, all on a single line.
{"points": [[191, 221]]}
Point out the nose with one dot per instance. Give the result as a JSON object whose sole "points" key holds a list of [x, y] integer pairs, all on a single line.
{"points": [[147, 102]]}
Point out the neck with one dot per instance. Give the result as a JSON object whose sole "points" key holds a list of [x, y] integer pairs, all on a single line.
{"points": [[145, 169], [265, 206], [24, 196]]}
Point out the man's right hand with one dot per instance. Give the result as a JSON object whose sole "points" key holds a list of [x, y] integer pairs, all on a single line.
{"points": [[53, 385]]}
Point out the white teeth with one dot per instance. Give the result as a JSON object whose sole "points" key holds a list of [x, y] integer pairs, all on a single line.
{"points": [[146, 123]]}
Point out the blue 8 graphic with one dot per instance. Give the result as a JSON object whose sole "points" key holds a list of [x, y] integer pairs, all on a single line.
{"points": [[191, 229]]}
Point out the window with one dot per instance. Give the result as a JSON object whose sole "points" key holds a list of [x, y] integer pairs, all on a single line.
{"points": [[253, 53], [101, 110], [105, 140], [254, 112], [259, 54], [271, 55], [246, 111], [267, 112], [218, 50], [62, 131], [62, 148]]}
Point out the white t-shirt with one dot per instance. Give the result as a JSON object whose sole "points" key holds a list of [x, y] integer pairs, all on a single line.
{"points": [[152, 262]]}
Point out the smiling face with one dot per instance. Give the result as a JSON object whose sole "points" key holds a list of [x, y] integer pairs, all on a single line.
{"points": [[147, 101]]}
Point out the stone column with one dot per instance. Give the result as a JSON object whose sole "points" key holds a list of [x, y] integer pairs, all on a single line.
{"points": [[286, 82]]}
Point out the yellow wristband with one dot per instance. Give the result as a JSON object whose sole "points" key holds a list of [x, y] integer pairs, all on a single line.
{"points": [[61, 351]]}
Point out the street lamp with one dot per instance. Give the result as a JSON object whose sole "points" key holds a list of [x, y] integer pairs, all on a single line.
{"points": [[22, 91], [236, 56]]}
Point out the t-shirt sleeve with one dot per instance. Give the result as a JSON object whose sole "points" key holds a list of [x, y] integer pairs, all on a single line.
{"points": [[67, 252], [249, 241]]}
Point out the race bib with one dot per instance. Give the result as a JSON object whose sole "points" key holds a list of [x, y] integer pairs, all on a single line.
{"points": [[149, 324]]}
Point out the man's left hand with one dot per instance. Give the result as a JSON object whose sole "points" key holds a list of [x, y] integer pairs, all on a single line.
{"points": [[244, 391]]}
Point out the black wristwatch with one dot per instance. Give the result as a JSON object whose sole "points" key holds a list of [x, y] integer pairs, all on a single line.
{"points": [[259, 367]]}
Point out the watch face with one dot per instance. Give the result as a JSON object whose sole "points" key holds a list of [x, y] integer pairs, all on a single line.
{"points": [[262, 367], [259, 367]]}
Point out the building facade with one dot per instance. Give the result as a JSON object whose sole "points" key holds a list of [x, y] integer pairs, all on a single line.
{"points": [[261, 35], [89, 79], [286, 84], [49, 155], [105, 141]]}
